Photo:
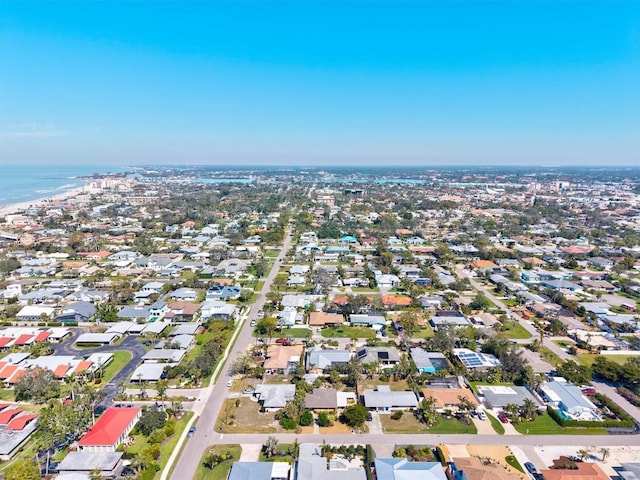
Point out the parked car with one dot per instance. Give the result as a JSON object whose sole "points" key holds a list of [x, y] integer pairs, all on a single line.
{"points": [[191, 431], [230, 383], [531, 468], [482, 415], [248, 391], [260, 313], [503, 417], [474, 414], [252, 323], [282, 341], [588, 390]]}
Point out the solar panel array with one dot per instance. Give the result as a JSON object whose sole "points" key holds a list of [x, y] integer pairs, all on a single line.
{"points": [[470, 360]]}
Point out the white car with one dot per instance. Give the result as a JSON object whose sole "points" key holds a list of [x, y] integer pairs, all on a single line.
{"points": [[230, 383]]}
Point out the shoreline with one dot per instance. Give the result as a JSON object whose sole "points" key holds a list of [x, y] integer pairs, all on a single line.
{"points": [[20, 207]]}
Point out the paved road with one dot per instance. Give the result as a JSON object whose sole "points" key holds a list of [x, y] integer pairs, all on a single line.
{"points": [[129, 344], [211, 399], [390, 438], [610, 392]]}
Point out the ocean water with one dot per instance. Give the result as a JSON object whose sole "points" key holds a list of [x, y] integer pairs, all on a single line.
{"points": [[21, 183]]}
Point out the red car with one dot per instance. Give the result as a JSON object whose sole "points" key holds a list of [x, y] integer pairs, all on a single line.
{"points": [[282, 341], [503, 417]]}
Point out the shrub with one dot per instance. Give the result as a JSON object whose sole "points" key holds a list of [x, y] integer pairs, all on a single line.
{"points": [[324, 420], [306, 418], [384, 378], [397, 415], [288, 423]]}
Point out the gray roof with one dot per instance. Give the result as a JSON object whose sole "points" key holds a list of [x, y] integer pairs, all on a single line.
{"points": [[322, 398], [97, 337], [85, 309], [315, 468], [162, 355], [133, 312], [422, 358], [86, 461], [401, 469], [185, 329], [148, 372], [499, 396], [382, 354], [256, 470], [570, 395], [383, 397], [321, 358], [274, 395]]}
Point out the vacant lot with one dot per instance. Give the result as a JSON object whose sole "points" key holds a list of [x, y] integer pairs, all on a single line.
{"points": [[245, 418]]}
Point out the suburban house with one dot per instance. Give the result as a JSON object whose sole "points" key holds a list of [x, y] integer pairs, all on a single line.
{"points": [[217, 310], [260, 471], [428, 362], [583, 471], [403, 469], [110, 430], [77, 312], [449, 398], [282, 359], [570, 400], [223, 292], [497, 396], [329, 399], [323, 319], [273, 397], [16, 427], [387, 356], [474, 360], [313, 466], [383, 399], [472, 468], [318, 359]]}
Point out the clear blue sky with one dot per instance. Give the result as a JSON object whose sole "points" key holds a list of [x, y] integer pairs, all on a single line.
{"points": [[333, 82]]}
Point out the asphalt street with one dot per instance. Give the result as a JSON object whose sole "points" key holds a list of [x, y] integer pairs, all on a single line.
{"points": [[213, 397]]}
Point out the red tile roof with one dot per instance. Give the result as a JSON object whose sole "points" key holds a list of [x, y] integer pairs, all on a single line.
{"points": [[23, 339], [4, 341], [7, 371], [20, 422], [17, 375], [60, 371], [108, 429], [8, 414], [4, 405], [83, 366], [42, 336]]}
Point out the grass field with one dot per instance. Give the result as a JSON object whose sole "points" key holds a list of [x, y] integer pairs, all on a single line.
{"points": [[513, 461], [245, 418], [587, 360], [549, 356], [282, 455], [169, 445], [410, 424], [7, 394], [120, 359], [496, 424], [348, 332], [221, 471], [515, 331], [545, 425], [296, 332]]}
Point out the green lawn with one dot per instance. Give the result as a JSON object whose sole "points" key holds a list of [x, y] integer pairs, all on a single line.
{"points": [[496, 424], [120, 359], [515, 331], [282, 455], [7, 394], [221, 471], [550, 357], [296, 332], [588, 359], [545, 425], [169, 445], [513, 461], [348, 332], [509, 302], [409, 424]]}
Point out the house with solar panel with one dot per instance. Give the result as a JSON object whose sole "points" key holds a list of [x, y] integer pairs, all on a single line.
{"points": [[474, 360]]}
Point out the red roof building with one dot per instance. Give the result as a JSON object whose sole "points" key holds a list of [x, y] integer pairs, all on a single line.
{"points": [[18, 423], [7, 371], [5, 341], [7, 414], [110, 430], [42, 336], [24, 339], [60, 371]]}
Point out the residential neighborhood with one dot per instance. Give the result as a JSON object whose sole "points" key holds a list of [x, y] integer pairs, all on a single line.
{"points": [[282, 328]]}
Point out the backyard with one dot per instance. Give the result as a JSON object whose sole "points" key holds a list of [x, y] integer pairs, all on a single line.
{"points": [[242, 415], [545, 425], [408, 423], [348, 332]]}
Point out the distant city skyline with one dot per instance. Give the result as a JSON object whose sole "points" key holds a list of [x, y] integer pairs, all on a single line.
{"points": [[308, 83]]}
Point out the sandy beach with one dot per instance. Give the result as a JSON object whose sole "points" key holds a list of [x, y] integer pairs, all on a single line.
{"points": [[40, 202]]}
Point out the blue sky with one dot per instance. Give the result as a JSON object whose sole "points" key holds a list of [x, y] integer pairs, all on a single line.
{"points": [[320, 83]]}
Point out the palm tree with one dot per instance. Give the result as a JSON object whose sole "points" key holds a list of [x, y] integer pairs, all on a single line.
{"points": [[604, 451], [271, 446], [584, 454]]}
